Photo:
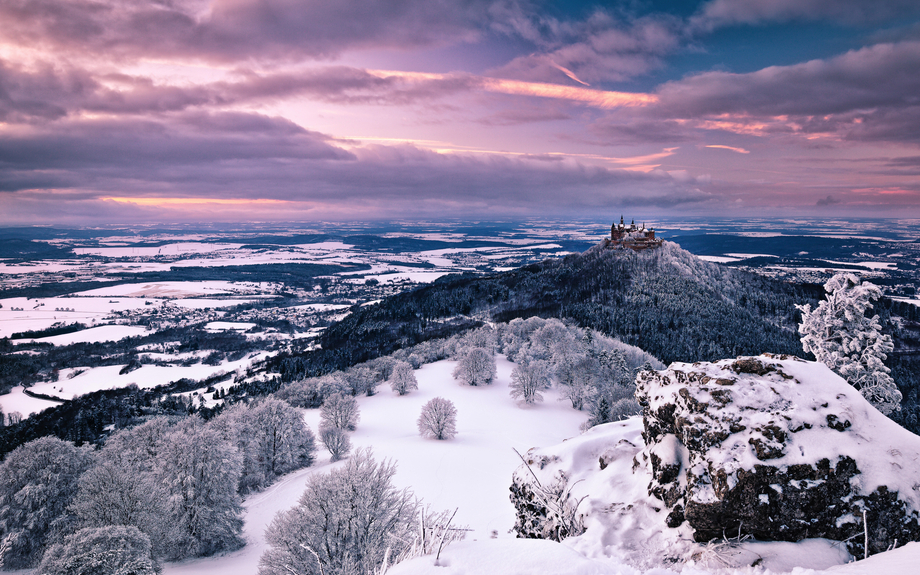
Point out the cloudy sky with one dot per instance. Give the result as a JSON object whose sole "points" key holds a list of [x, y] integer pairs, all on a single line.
{"points": [[118, 111]]}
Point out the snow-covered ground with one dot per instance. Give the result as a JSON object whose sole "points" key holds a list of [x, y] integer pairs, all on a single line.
{"points": [[24, 314], [74, 382], [472, 472], [93, 335]]}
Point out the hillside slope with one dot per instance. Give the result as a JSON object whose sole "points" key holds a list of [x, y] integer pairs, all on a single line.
{"points": [[666, 301]]}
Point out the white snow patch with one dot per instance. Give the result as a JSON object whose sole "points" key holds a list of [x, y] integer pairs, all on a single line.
{"points": [[16, 401], [92, 335]]}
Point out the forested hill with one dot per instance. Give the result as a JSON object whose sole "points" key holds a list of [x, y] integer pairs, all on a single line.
{"points": [[666, 301]]}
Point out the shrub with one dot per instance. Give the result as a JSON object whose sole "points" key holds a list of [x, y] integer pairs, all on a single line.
{"points": [[116, 550]]}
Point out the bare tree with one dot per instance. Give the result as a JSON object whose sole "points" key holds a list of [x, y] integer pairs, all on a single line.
{"points": [[336, 441], [402, 380], [201, 471], [438, 419], [529, 378], [340, 411], [345, 522], [476, 367]]}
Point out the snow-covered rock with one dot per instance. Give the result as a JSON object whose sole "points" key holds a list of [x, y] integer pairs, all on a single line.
{"points": [[778, 448]]}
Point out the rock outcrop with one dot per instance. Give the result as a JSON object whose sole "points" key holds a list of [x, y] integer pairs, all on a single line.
{"points": [[778, 448]]}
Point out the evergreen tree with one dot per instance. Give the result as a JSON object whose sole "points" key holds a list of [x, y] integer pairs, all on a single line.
{"points": [[843, 337]]}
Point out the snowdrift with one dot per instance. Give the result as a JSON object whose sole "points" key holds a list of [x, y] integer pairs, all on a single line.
{"points": [[772, 447]]}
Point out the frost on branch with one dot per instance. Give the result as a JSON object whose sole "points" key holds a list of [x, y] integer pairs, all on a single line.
{"points": [[352, 521], [476, 367], [843, 337], [438, 419]]}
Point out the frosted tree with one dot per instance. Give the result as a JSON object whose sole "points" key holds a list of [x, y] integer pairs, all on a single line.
{"points": [[272, 438], [843, 337], [118, 550], [282, 441], [344, 523], [476, 367], [336, 441], [38, 480], [529, 377], [402, 380], [362, 380], [438, 419], [340, 411], [116, 493], [201, 473]]}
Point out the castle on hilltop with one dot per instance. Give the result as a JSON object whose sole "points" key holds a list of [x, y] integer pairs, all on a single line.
{"points": [[633, 237]]}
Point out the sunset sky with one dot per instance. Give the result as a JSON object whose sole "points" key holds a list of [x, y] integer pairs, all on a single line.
{"points": [[249, 110]]}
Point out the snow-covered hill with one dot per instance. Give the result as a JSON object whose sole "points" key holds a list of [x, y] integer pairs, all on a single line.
{"points": [[473, 472]]}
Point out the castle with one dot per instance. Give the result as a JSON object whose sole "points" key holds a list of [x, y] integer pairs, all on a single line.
{"points": [[632, 237]]}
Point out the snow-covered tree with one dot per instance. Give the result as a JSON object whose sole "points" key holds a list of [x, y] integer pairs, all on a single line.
{"points": [[402, 380], [438, 419], [362, 380], [336, 441], [475, 367], [343, 524], [38, 480], [272, 438], [529, 377], [843, 337], [201, 473], [340, 411], [112, 550], [113, 492]]}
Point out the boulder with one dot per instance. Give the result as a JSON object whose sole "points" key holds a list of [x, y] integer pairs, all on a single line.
{"points": [[778, 448]]}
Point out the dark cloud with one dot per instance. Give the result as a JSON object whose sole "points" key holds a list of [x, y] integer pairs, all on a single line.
{"points": [[117, 154], [241, 156], [869, 94], [47, 92], [527, 114], [842, 84], [728, 12], [238, 30], [827, 201], [626, 131]]}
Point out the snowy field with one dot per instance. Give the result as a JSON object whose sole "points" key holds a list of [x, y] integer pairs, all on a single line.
{"points": [[472, 473], [74, 382], [20, 314]]}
